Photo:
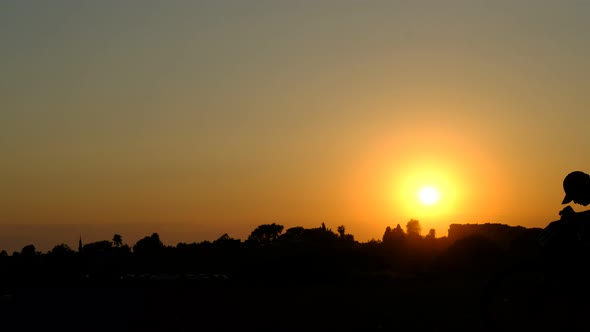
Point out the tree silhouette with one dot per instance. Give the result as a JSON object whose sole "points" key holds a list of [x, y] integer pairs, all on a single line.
{"points": [[341, 230], [149, 245], [293, 233], [61, 250], [226, 242], [117, 240], [264, 235], [394, 236], [98, 248], [325, 229], [28, 251], [414, 228], [431, 234], [387, 234], [223, 238], [398, 233]]}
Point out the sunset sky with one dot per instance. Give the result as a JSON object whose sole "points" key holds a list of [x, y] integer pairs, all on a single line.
{"points": [[197, 118]]}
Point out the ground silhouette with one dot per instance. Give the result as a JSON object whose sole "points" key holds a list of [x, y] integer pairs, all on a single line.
{"points": [[288, 280]]}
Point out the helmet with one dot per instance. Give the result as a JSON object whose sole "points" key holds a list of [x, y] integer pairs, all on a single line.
{"points": [[574, 184]]}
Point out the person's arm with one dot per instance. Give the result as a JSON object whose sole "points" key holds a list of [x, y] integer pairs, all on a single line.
{"points": [[569, 215], [567, 212], [580, 221]]}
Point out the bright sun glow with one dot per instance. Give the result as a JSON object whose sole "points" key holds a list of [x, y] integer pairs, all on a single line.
{"points": [[428, 195]]}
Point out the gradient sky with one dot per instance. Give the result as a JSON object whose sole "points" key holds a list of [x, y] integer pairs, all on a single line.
{"points": [[196, 118]]}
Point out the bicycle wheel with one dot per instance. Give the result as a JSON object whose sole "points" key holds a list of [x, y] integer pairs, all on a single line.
{"points": [[522, 298]]}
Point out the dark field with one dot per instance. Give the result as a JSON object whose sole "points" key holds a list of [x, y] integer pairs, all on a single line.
{"points": [[384, 303], [303, 280]]}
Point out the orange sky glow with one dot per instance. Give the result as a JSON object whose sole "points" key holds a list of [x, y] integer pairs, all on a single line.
{"points": [[195, 120]]}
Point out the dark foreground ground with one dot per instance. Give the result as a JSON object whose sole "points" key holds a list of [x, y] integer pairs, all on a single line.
{"points": [[383, 303], [377, 303]]}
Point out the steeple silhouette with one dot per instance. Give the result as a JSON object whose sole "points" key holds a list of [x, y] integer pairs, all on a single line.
{"points": [[80, 244]]}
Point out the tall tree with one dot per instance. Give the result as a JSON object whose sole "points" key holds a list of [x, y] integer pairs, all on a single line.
{"points": [[395, 235], [398, 233], [413, 228], [117, 240], [387, 235], [341, 230], [431, 234]]}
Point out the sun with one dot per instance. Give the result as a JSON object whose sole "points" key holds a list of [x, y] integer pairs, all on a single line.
{"points": [[425, 193], [428, 195]]}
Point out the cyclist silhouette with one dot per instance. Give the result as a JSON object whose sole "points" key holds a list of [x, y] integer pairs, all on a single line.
{"points": [[574, 227], [548, 291]]}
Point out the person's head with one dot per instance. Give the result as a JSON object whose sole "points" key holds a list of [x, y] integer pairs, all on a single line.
{"points": [[577, 188]]}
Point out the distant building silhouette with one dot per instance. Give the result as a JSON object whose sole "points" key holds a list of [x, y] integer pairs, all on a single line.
{"points": [[501, 234], [80, 244]]}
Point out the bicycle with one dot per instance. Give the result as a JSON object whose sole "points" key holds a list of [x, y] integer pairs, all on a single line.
{"points": [[544, 293]]}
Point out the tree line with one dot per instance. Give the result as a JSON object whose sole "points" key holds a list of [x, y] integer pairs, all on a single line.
{"points": [[272, 253]]}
